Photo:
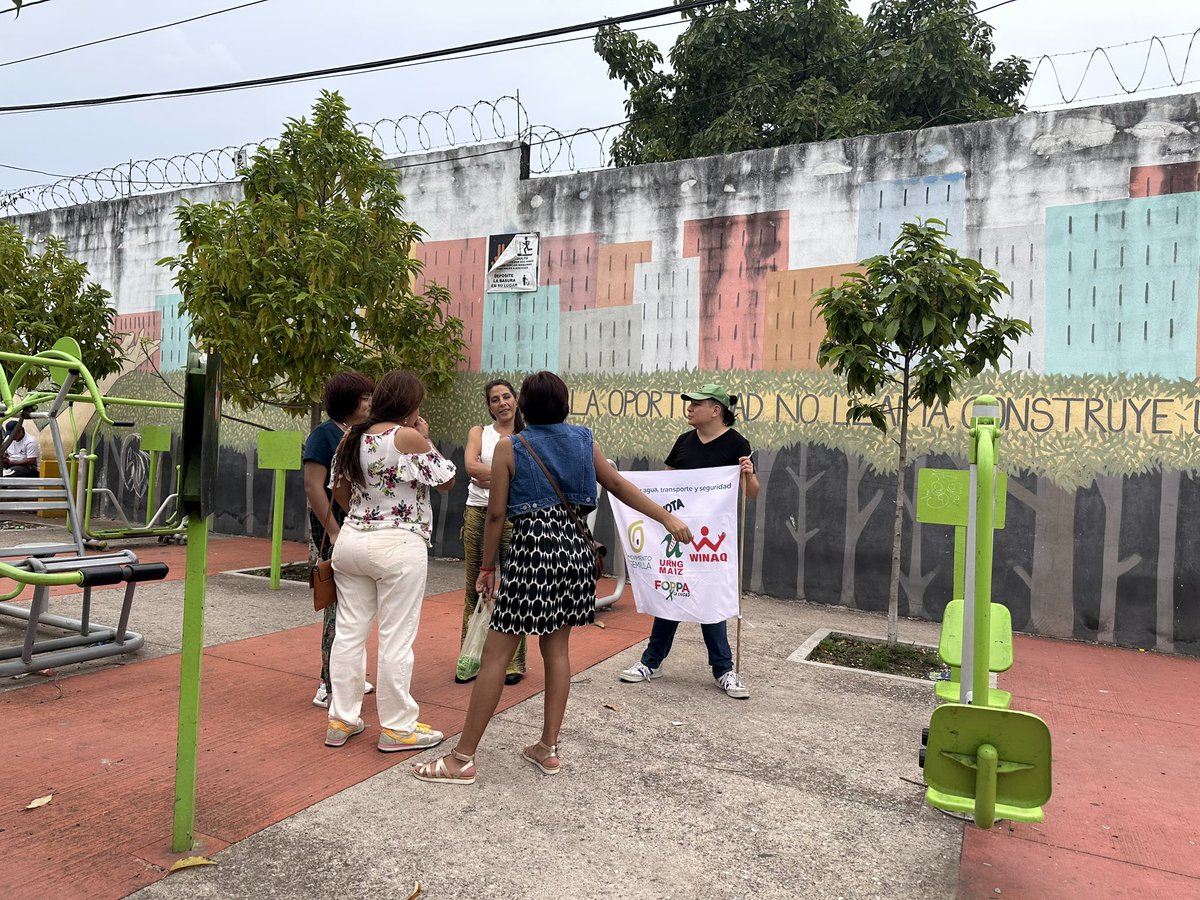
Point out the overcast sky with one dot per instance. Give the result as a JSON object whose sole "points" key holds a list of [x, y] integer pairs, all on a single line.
{"points": [[565, 86]]}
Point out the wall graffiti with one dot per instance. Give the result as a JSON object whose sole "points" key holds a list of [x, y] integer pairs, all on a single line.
{"points": [[656, 278]]}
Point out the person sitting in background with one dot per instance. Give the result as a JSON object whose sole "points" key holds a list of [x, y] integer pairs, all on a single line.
{"points": [[21, 455], [501, 399], [347, 402]]}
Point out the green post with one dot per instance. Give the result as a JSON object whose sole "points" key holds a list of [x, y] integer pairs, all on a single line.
{"points": [[189, 684], [156, 439], [983, 422], [279, 451], [986, 761], [197, 497]]}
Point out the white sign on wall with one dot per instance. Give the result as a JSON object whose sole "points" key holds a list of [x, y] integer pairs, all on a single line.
{"points": [[512, 262]]}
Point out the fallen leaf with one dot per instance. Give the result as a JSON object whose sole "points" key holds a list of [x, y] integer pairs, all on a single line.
{"points": [[599, 624], [40, 801], [190, 861], [676, 723], [416, 891], [610, 706]]}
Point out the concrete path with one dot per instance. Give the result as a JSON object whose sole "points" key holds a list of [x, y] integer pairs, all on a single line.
{"points": [[668, 789]]}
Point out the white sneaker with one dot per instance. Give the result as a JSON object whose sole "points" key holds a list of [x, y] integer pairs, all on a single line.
{"points": [[321, 698], [641, 672], [732, 685]]}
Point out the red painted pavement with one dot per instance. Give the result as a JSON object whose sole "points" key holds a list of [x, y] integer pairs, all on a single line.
{"points": [[1122, 821], [103, 744]]}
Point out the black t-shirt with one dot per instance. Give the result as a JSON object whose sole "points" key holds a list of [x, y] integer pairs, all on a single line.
{"points": [[690, 452]]}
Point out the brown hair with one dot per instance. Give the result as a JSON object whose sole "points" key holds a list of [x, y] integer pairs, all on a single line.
{"points": [[342, 393], [396, 396], [544, 399]]}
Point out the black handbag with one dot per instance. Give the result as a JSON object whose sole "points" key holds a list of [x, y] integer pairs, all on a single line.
{"points": [[598, 549]]}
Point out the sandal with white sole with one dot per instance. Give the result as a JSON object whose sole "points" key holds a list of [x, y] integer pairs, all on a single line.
{"points": [[551, 754], [437, 772]]}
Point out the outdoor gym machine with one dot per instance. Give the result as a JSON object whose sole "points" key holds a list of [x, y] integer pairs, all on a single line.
{"points": [[984, 760]]}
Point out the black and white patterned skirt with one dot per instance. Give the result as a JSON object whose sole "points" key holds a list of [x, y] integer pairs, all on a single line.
{"points": [[548, 580]]}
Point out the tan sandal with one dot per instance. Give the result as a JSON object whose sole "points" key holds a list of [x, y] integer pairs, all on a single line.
{"points": [[437, 772], [551, 754]]}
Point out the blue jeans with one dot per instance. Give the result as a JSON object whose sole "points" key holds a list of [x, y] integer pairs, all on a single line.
{"points": [[716, 639]]}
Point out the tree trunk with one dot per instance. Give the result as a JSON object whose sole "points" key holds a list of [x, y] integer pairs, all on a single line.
{"points": [[1112, 566], [856, 521], [798, 526], [915, 581], [1168, 524], [1052, 581], [766, 461], [314, 416], [893, 624]]}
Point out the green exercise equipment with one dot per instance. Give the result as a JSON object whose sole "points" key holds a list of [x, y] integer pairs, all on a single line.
{"points": [[981, 758]]}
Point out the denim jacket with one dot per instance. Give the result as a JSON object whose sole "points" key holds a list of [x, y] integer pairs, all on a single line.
{"points": [[567, 452]]}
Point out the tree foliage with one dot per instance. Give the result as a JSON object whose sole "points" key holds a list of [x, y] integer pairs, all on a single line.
{"points": [[45, 296], [917, 323], [311, 273], [773, 72]]}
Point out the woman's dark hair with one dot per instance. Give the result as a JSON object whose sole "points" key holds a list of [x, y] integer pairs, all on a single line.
{"points": [[728, 413], [396, 396], [518, 419], [544, 399], [343, 391]]}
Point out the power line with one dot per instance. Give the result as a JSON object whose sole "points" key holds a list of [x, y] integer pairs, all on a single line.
{"points": [[117, 37], [24, 6], [557, 136], [362, 67]]}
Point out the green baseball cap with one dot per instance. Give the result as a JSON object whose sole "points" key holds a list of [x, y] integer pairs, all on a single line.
{"points": [[709, 392]]}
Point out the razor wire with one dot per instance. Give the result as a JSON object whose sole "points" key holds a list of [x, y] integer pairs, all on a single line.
{"points": [[462, 125], [1100, 58]]}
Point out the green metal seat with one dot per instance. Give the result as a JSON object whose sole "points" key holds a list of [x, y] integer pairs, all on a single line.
{"points": [[1000, 653], [988, 763]]}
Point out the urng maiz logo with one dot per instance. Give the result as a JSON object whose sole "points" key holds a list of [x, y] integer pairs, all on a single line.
{"points": [[674, 549], [707, 550]]}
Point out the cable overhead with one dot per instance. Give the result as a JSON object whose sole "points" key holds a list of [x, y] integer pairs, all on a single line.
{"points": [[117, 37], [362, 67], [17, 10]]}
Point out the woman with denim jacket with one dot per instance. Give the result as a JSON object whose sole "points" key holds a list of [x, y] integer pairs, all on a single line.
{"points": [[549, 580]]}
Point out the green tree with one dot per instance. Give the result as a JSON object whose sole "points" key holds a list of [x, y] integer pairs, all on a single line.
{"points": [[45, 296], [311, 273], [917, 323], [773, 72]]}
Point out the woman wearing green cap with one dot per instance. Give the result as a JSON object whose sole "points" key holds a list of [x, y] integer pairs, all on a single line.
{"points": [[712, 442]]}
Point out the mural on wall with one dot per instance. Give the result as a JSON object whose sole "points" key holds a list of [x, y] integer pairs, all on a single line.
{"points": [[657, 278]]}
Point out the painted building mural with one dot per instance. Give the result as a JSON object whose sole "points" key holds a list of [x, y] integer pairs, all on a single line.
{"points": [[656, 278]]}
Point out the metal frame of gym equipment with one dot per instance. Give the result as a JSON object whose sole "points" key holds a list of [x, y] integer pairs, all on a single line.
{"points": [[43, 565]]}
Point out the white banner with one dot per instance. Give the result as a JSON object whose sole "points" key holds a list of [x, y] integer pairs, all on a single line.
{"points": [[696, 582]]}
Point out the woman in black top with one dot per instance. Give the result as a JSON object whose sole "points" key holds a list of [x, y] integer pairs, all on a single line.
{"points": [[710, 443]]}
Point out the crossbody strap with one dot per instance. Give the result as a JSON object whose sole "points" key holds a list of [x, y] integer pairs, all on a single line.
{"points": [[554, 484]]}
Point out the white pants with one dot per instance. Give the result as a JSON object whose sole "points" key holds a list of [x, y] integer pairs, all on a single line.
{"points": [[379, 574]]}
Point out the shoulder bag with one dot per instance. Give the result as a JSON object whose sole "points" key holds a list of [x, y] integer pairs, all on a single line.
{"points": [[320, 576], [598, 549]]}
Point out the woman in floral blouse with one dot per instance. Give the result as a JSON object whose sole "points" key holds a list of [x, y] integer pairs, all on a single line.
{"points": [[382, 475]]}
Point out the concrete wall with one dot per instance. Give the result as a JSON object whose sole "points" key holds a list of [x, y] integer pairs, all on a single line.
{"points": [[657, 277]]}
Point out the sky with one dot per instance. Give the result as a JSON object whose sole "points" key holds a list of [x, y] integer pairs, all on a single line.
{"points": [[564, 86]]}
